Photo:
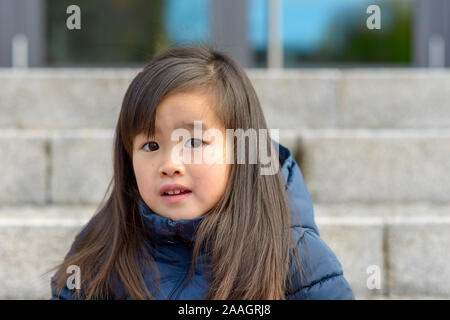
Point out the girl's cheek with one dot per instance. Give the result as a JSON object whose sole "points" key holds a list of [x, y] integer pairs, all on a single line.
{"points": [[145, 175], [213, 154], [217, 177], [208, 177]]}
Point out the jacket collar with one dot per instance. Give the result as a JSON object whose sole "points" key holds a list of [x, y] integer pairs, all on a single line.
{"points": [[167, 231]]}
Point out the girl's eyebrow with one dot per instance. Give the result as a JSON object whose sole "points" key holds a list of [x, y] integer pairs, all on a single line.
{"points": [[185, 125], [190, 125]]}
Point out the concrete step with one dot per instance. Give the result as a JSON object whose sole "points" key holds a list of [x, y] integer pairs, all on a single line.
{"points": [[43, 167], [376, 165], [409, 252], [298, 98], [62, 98], [71, 166], [339, 166], [394, 98], [33, 240], [387, 211], [397, 297]]}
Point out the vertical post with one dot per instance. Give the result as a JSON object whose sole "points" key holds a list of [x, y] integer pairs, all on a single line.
{"points": [[275, 43], [229, 29], [19, 51], [447, 32], [431, 34], [436, 51], [22, 33]]}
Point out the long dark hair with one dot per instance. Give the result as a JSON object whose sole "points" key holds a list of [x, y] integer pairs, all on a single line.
{"points": [[247, 234]]}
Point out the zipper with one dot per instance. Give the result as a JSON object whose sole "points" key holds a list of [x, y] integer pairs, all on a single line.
{"points": [[178, 287]]}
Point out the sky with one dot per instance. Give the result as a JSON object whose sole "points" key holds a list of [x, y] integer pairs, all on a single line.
{"points": [[304, 25]]}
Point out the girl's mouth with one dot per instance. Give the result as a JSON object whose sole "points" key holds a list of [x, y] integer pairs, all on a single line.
{"points": [[175, 196], [174, 193]]}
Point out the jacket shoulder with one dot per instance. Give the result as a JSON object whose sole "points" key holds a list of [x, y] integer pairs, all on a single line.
{"points": [[64, 294], [299, 200], [322, 277]]}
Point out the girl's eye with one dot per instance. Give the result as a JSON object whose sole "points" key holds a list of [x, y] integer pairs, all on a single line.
{"points": [[194, 143], [152, 146]]}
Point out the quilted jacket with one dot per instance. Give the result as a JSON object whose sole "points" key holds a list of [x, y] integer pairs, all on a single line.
{"points": [[173, 249]]}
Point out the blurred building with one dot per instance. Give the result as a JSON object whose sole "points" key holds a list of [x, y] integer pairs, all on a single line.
{"points": [[307, 32]]}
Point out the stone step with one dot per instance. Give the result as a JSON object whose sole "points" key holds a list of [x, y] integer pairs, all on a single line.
{"points": [[376, 165], [397, 297], [381, 210], [409, 253], [58, 166], [394, 98], [33, 240], [339, 166], [298, 98], [44, 166], [62, 98]]}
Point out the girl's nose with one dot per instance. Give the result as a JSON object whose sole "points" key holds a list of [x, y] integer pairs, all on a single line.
{"points": [[170, 167]]}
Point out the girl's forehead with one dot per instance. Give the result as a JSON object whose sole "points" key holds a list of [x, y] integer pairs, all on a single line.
{"points": [[180, 110], [194, 100], [189, 116]]}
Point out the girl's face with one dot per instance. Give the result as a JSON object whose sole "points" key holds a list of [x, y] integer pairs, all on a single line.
{"points": [[160, 171]]}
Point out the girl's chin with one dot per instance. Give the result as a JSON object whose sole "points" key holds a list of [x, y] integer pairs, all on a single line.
{"points": [[180, 214]]}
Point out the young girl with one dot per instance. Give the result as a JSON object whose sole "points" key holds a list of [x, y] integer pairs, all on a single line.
{"points": [[173, 229]]}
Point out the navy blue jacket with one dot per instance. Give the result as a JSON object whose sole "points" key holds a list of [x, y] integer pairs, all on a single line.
{"points": [[173, 239]]}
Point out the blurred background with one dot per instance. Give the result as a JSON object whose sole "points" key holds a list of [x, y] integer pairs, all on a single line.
{"points": [[309, 33], [365, 111]]}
